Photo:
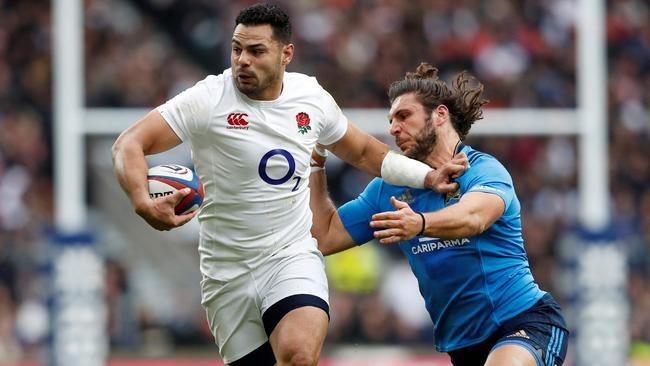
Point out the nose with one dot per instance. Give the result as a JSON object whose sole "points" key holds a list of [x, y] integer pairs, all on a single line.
{"points": [[394, 129], [243, 59]]}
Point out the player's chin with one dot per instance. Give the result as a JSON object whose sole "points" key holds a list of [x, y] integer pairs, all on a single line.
{"points": [[246, 86], [409, 151]]}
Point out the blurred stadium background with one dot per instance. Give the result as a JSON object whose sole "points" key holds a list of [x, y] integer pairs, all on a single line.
{"points": [[140, 287]]}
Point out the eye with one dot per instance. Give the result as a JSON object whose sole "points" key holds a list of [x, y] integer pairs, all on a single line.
{"points": [[236, 50]]}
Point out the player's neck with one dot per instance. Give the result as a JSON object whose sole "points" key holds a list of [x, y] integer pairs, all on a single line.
{"points": [[271, 93], [443, 151]]}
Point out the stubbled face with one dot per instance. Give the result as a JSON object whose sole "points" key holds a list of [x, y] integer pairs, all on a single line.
{"points": [[257, 61], [412, 127]]}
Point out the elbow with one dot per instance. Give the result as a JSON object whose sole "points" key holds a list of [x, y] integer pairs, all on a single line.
{"points": [[125, 145], [475, 225], [117, 147], [325, 250], [322, 246], [321, 241]]}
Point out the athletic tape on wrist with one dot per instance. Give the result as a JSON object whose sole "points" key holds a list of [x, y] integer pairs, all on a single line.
{"points": [[399, 170], [320, 152]]}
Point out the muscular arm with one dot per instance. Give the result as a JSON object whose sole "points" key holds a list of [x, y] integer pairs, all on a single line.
{"points": [[149, 135], [360, 150], [367, 153], [327, 228], [472, 215]]}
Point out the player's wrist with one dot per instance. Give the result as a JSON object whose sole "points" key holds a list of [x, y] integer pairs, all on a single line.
{"points": [[141, 203], [318, 158], [317, 169], [400, 170], [424, 223]]}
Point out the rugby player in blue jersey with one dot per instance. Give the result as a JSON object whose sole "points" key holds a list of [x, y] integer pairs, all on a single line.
{"points": [[465, 248]]}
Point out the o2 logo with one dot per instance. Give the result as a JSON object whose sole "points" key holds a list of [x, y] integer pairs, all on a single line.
{"points": [[292, 168]]}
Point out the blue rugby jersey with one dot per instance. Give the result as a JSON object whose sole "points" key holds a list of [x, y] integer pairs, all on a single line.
{"points": [[470, 285]]}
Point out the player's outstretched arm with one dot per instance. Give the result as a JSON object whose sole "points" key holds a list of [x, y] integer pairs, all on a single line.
{"points": [[149, 135], [472, 215], [374, 157], [327, 228]]}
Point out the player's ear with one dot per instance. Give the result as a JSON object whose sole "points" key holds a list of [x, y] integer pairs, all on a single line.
{"points": [[287, 53], [440, 113]]}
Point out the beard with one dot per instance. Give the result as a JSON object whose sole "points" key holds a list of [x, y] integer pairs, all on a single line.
{"points": [[425, 141], [260, 83]]}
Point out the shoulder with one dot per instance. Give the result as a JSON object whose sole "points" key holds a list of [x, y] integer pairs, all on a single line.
{"points": [[483, 164], [216, 81], [302, 83], [479, 157], [214, 88], [381, 189]]}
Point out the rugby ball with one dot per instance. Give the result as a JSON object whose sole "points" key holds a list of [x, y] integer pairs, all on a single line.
{"points": [[166, 179]]}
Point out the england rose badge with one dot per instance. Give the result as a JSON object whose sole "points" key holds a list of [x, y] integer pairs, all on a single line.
{"points": [[302, 119]]}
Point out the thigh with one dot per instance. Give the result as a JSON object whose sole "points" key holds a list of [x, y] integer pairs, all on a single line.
{"points": [[298, 270], [541, 345], [294, 302], [512, 354], [234, 317], [474, 355], [540, 331], [299, 336]]}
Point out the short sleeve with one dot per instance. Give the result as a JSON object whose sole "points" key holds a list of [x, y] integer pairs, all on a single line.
{"points": [[357, 214], [335, 124], [488, 175], [188, 113]]}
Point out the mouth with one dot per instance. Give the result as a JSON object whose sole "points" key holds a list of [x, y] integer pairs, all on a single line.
{"points": [[245, 77], [403, 145]]}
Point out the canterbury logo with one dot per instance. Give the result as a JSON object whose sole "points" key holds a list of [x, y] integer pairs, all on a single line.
{"points": [[237, 121]]}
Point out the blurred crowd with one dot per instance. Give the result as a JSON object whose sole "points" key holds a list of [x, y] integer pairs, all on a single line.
{"points": [[141, 52]]}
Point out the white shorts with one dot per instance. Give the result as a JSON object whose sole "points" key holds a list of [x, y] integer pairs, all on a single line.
{"points": [[235, 308]]}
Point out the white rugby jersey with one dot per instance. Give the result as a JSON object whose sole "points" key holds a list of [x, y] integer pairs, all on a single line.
{"points": [[253, 158]]}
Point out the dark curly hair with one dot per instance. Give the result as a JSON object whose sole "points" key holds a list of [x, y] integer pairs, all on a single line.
{"points": [[260, 14], [464, 100]]}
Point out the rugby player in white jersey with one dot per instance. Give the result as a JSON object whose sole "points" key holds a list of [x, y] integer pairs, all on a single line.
{"points": [[252, 129]]}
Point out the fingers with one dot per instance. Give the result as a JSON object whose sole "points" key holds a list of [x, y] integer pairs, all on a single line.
{"points": [[461, 159], [398, 204], [385, 223], [389, 236], [388, 215], [390, 240], [184, 219], [176, 221], [451, 169], [447, 187], [179, 195], [161, 214]]}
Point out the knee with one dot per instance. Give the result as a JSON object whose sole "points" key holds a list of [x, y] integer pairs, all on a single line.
{"points": [[299, 357], [303, 359]]}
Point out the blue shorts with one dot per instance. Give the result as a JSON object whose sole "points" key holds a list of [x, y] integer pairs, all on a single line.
{"points": [[540, 329]]}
